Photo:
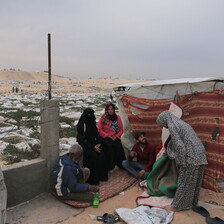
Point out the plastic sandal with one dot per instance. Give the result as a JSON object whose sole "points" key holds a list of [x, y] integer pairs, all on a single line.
{"points": [[215, 220], [201, 210], [111, 219], [103, 217]]}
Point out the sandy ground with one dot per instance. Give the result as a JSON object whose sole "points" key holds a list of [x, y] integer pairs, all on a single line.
{"points": [[29, 76], [47, 209], [23, 80], [128, 201], [120, 201], [37, 82]]}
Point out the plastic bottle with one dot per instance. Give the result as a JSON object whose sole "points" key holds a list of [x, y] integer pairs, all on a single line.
{"points": [[96, 200]]}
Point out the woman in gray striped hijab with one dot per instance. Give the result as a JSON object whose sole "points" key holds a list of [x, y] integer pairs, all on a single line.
{"points": [[189, 154]]}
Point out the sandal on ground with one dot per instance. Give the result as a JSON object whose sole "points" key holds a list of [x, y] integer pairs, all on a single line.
{"points": [[215, 220], [108, 218], [201, 210], [103, 217], [111, 219]]}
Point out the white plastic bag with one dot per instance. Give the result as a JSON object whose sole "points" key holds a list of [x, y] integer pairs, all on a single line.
{"points": [[145, 215]]}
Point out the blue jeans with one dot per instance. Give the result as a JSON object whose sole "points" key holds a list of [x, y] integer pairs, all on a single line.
{"points": [[134, 168]]}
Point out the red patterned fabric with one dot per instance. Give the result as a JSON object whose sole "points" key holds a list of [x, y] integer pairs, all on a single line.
{"points": [[118, 181], [204, 111]]}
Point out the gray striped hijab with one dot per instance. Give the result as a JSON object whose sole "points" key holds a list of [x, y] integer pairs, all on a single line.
{"points": [[185, 146]]}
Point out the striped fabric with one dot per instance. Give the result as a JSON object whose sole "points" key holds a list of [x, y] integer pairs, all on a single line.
{"points": [[204, 111], [59, 180]]}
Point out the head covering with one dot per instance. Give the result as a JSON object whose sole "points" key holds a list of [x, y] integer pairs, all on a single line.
{"points": [[137, 134], [87, 122], [106, 118], [88, 115], [185, 146]]}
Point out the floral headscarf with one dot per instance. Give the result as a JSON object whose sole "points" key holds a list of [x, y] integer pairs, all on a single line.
{"points": [[106, 118]]}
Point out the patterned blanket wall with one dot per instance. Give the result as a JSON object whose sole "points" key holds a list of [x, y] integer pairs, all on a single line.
{"points": [[204, 111]]}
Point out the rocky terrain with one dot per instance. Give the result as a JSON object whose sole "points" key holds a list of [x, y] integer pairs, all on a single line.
{"points": [[21, 93]]}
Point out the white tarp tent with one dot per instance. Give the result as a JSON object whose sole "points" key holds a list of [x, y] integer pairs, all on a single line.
{"points": [[160, 89], [202, 100]]}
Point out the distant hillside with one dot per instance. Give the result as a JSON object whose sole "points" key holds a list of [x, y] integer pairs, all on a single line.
{"points": [[29, 76]]}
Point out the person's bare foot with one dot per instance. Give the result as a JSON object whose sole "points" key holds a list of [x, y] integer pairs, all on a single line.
{"points": [[169, 207]]}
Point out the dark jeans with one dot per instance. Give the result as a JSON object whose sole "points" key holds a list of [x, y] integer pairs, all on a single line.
{"points": [[135, 167]]}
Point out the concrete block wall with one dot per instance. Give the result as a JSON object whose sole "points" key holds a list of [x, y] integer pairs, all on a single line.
{"points": [[25, 180], [49, 135]]}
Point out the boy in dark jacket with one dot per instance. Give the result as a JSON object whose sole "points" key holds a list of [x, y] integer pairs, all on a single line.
{"points": [[70, 178]]}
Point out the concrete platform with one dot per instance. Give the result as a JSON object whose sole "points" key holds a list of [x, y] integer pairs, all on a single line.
{"points": [[46, 209], [42, 209]]}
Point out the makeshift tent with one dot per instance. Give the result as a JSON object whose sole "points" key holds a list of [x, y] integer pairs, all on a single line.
{"points": [[202, 101]]}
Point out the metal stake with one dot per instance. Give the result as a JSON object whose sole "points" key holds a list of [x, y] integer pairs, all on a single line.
{"points": [[49, 65]]}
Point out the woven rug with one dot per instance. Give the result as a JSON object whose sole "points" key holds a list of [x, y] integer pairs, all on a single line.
{"points": [[119, 180]]}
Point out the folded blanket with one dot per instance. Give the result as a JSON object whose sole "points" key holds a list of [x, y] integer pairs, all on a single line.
{"points": [[162, 180]]}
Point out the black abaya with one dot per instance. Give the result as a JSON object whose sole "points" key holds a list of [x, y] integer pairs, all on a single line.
{"points": [[88, 137], [114, 153]]}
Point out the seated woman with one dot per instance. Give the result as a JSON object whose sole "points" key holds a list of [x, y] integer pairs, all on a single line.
{"points": [[110, 128], [88, 137], [189, 154]]}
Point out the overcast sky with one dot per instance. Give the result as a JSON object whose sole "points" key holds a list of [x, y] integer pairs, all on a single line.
{"points": [[150, 39]]}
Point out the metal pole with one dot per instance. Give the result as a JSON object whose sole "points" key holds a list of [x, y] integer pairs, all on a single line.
{"points": [[49, 65]]}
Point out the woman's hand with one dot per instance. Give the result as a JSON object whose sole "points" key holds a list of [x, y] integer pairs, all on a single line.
{"points": [[97, 148], [112, 137]]}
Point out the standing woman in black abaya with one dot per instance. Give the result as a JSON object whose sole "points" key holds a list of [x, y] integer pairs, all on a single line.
{"points": [[88, 137]]}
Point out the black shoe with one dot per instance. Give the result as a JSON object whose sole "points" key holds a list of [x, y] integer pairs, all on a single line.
{"points": [[108, 218], [103, 217], [201, 210], [215, 220]]}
